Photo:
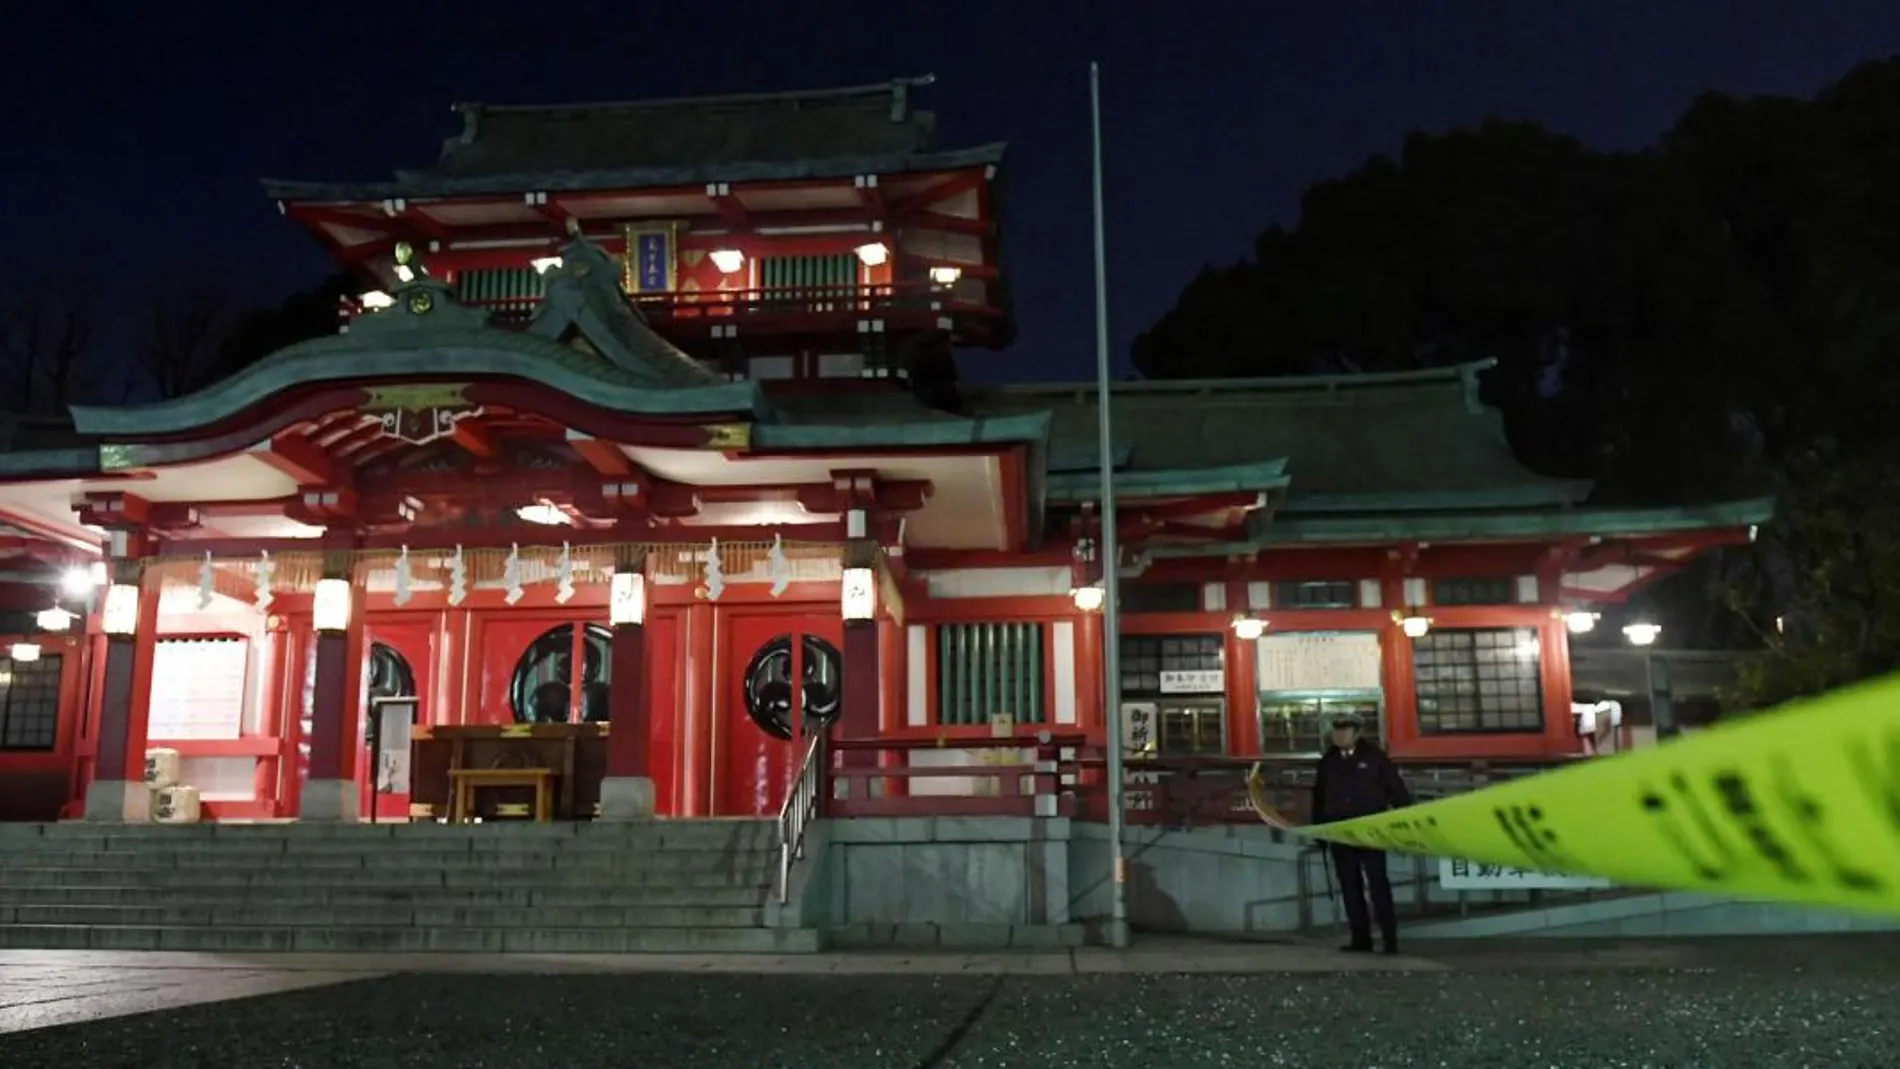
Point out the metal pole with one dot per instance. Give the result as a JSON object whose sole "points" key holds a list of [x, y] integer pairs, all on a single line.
{"points": [[1111, 556]]}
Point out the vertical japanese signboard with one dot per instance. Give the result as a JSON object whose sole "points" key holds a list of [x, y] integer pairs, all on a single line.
{"points": [[652, 258]]}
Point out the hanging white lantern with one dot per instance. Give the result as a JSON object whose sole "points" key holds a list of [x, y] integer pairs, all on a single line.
{"points": [[511, 574], [715, 573], [564, 575], [777, 567], [404, 580], [206, 577], [266, 572], [458, 578]]}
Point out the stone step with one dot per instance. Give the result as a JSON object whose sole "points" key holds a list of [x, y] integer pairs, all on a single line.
{"points": [[604, 896], [446, 846], [702, 834], [542, 940], [406, 860], [751, 875], [175, 915]]}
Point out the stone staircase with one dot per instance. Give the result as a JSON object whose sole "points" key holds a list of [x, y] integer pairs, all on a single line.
{"points": [[673, 886]]}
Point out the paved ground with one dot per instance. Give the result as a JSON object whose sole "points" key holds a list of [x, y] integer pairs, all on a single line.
{"points": [[1804, 1002]]}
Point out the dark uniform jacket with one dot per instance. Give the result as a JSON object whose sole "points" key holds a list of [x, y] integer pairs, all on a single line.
{"points": [[1357, 784]]}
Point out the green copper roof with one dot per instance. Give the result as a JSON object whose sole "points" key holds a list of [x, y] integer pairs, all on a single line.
{"points": [[583, 298], [1030, 427], [1400, 442], [863, 120], [429, 185], [418, 338], [1071, 487], [1604, 523]]}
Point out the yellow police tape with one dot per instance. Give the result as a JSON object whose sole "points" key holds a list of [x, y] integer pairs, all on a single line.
{"points": [[1801, 804]]}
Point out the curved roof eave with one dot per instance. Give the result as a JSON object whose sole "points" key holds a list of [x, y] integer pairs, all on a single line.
{"points": [[1186, 482], [1030, 428], [351, 359]]}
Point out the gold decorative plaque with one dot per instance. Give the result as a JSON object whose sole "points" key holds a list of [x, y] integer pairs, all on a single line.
{"points": [[728, 435], [419, 395]]}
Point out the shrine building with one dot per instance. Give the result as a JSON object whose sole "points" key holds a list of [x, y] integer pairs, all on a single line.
{"points": [[643, 447]]}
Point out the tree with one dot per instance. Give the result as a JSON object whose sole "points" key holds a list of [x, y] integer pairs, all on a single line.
{"points": [[1713, 316], [48, 333], [195, 335], [188, 319]]}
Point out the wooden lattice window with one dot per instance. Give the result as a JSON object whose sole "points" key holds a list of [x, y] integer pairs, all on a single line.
{"points": [[989, 670], [1487, 681], [1487, 591], [29, 704], [1321, 594]]}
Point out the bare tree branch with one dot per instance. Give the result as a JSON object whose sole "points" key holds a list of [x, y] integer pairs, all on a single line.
{"points": [[186, 323], [49, 329]]}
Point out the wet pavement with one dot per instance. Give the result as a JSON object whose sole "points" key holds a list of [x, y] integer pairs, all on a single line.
{"points": [[1792, 1002]]}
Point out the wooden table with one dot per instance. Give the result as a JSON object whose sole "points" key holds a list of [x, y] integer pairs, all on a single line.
{"points": [[574, 756], [469, 780]]}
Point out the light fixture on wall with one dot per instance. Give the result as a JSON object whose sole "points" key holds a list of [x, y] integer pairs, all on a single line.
{"points": [[1580, 621], [945, 275], [545, 264], [873, 253], [1415, 624], [330, 605], [82, 580], [1089, 598], [858, 594], [627, 599], [728, 261], [1642, 633], [375, 299], [53, 619], [543, 512], [24, 652], [1248, 628], [120, 615]]}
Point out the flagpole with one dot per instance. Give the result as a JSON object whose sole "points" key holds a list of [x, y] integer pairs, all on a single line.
{"points": [[1110, 549]]}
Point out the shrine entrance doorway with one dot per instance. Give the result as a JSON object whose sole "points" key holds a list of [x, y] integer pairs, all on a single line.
{"points": [[784, 683]]}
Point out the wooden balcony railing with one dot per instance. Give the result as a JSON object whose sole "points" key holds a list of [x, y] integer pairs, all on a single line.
{"points": [[775, 308]]}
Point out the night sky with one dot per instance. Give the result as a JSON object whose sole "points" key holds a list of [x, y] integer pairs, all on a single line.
{"points": [[138, 138]]}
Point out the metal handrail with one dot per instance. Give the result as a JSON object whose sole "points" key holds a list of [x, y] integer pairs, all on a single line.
{"points": [[801, 804]]}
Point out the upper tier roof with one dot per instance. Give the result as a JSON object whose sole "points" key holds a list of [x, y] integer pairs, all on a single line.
{"points": [[824, 133], [872, 120]]}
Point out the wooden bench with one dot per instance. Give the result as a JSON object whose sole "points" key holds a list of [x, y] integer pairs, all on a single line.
{"points": [[467, 781]]}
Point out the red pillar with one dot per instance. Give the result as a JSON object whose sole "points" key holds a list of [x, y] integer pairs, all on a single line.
{"points": [[330, 793], [627, 791], [627, 747], [117, 791], [858, 717], [329, 703], [861, 683]]}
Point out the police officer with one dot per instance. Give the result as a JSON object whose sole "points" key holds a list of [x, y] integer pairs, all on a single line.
{"points": [[1356, 779]]}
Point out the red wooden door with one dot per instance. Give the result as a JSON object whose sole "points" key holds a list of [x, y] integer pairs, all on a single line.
{"points": [[761, 733], [663, 711]]}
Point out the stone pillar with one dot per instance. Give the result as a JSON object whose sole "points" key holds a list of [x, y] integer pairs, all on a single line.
{"points": [[117, 792], [330, 793], [627, 791]]}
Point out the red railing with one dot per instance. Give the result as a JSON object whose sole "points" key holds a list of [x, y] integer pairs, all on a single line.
{"points": [[758, 306], [1024, 775], [1044, 774]]}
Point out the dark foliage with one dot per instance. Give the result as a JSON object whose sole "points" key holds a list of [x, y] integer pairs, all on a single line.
{"points": [[1717, 316]]}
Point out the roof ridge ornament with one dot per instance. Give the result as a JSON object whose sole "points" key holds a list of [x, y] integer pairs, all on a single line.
{"points": [[418, 303]]}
